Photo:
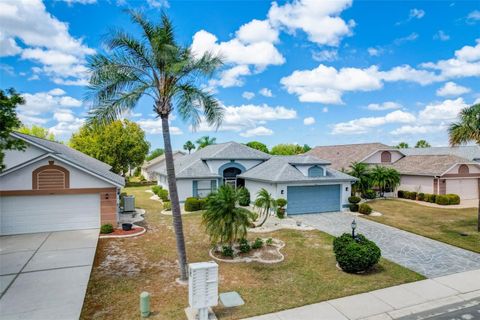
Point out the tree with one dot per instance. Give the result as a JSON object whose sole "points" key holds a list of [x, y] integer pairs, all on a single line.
{"points": [[205, 141], [402, 145], [287, 149], [385, 178], [361, 171], [189, 146], [257, 145], [422, 144], [9, 121], [155, 66], [155, 153], [467, 130], [121, 144], [225, 222], [306, 148], [266, 203], [37, 131]]}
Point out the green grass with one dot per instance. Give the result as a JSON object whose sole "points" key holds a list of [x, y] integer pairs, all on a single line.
{"points": [[457, 227], [124, 268]]}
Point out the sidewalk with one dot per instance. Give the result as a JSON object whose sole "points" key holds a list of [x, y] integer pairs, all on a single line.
{"points": [[390, 303]]}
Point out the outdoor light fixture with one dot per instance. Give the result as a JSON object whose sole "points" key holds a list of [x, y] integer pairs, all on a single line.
{"points": [[354, 226]]}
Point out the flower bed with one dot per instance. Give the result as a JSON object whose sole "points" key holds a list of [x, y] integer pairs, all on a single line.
{"points": [[268, 253]]}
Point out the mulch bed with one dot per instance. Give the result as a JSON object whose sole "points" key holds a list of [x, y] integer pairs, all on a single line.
{"points": [[120, 232]]}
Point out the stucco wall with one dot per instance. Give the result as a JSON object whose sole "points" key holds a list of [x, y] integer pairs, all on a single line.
{"points": [[376, 157], [15, 157], [184, 188], [304, 169], [416, 183], [472, 168], [214, 165], [255, 186]]}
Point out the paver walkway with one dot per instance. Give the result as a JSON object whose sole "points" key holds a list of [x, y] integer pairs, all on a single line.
{"points": [[426, 256], [400, 302]]}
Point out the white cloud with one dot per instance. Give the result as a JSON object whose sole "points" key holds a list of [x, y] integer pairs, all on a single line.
{"points": [[441, 35], [154, 126], [63, 129], [473, 16], [45, 102], [248, 95], [325, 55], [325, 109], [444, 111], [388, 105], [232, 77], [374, 52], [309, 121], [362, 125], [158, 3], [416, 13], [70, 2], [320, 20], [64, 115], [258, 131], [8, 46], [57, 92], [257, 31], [418, 129], [266, 92], [452, 89], [411, 37]]}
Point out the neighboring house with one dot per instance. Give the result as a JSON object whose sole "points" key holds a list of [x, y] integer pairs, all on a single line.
{"points": [[308, 183], [149, 167], [437, 170], [51, 187]]}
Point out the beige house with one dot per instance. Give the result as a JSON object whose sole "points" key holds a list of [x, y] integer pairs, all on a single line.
{"points": [[149, 167], [437, 170]]}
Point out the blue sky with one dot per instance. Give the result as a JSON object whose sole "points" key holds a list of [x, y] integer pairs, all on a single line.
{"points": [[305, 71]]}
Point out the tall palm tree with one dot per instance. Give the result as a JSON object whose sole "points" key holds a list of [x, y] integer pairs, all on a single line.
{"points": [[154, 66], [360, 171], [422, 144], [188, 146], [379, 176], [266, 203], [392, 179], [467, 130], [205, 141]]}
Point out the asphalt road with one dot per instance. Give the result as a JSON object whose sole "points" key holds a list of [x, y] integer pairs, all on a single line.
{"points": [[467, 310]]}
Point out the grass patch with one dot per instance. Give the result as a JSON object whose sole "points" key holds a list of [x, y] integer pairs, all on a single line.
{"points": [[124, 268], [457, 227]]}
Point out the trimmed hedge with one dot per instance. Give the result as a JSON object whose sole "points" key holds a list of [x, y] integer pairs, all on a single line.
{"points": [[442, 199], [354, 207], [355, 255], [354, 199], [140, 183], [401, 194], [106, 228], [244, 197], [167, 205], [453, 198], [194, 204], [364, 209], [421, 196], [370, 194]]}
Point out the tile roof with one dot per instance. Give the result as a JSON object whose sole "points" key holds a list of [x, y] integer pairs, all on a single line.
{"points": [[471, 153], [72, 155], [426, 165]]}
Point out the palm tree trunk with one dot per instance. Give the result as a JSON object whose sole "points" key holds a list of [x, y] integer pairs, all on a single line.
{"points": [[172, 188]]}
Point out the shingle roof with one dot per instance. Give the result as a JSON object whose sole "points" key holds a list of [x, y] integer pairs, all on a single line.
{"points": [[426, 165], [341, 156], [72, 155], [281, 169], [471, 153], [161, 158], [233, 150]]}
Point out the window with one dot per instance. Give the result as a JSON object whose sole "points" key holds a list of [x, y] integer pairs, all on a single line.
{"points": [[50, 177], [202, 188], [386, 157], [463, 169], [315, 171]]}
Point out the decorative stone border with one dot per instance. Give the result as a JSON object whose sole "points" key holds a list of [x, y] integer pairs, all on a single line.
{"points": [[279, 224], [109, 236], [279, 244]]}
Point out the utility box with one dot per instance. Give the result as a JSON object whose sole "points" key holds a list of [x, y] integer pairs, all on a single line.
{"points": [[128, 203], [203, 287]]}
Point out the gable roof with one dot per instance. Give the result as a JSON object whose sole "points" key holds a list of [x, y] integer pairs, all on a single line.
{"points": [[471, 153], [71, 155], [426, 165], [341, 156], [160, 159]]}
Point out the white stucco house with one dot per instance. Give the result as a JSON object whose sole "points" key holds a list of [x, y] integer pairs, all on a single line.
{"points": [[309, 184], [436, 170], [149, 168], [51, 187]]}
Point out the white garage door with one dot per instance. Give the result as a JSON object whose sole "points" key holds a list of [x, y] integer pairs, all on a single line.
{"points": [[26, 214], [465, 188]]}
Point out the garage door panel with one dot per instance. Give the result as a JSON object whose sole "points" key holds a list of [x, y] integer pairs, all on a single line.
{"points": [[26, 214], [313, 199], [467, 189]]}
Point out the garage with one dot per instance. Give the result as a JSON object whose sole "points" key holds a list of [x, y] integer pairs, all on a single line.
{"points": [[466, 188], [29, 214], [313, 199]]}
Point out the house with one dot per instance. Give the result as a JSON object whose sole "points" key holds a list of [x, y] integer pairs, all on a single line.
{"points": [[437, 170], [51, 187], [149, 168], [309, 184]]}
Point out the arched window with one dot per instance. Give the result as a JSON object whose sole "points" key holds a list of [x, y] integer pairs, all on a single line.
{"points": [[463, 169], [315, 171], [386, 157], [50, 177]]}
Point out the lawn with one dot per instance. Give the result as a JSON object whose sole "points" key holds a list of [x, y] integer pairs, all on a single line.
{"points": [[457, 227], [124, 268]]}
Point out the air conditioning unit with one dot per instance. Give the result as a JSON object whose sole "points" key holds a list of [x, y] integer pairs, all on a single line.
{"points": [[128, 203], [203, 287]]}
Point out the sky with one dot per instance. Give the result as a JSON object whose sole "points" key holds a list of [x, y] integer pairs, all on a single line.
{"points": [[303, 71]]}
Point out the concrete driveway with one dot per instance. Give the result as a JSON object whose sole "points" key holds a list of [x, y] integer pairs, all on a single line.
{"points": [[45, 275]]}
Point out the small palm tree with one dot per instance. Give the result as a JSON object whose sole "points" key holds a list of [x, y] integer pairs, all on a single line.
{"points": [[224, 221], [205, 141], [360, 171], [467, 130], [266, 203], [392, 179], [379, 178], [154, 66], [422, 144], [189, 146]]}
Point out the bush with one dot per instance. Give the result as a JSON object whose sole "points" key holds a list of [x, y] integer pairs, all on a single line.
{"points": [[257, 244], [430, 197], [163, 194], [401, 194], [227, 251], [156, 189], [412, 195], [365, 209], [243, 197], [370, 194], [191, 204], [421, 196], [281, 202], [244, 246], [202, 203], [106, 228], [167, 205], [355, 255], [354, 199], [269, 241], [354, 207], [280, 213], [442, 199], [453, 198]]}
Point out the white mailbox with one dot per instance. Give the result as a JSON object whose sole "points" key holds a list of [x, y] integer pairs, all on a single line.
{"points": [[203, 286]]}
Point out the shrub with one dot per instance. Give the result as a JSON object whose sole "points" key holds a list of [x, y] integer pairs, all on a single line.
{"points": [[430, 197], [421, 196], [142, 178], [441, 199], [280, 213], [191, 204], [163, 194], [412, 196], [355, 255], [257, 244], [354, 207], [406, 194], [453, 198], [244, 246], [354, 199], [401, 194], [227, 251], [243, 197], [365, 209], [106, 228], [269, 241], [370, 194], [167, 205], [202, 203], [156, 189], [281, 202]]}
